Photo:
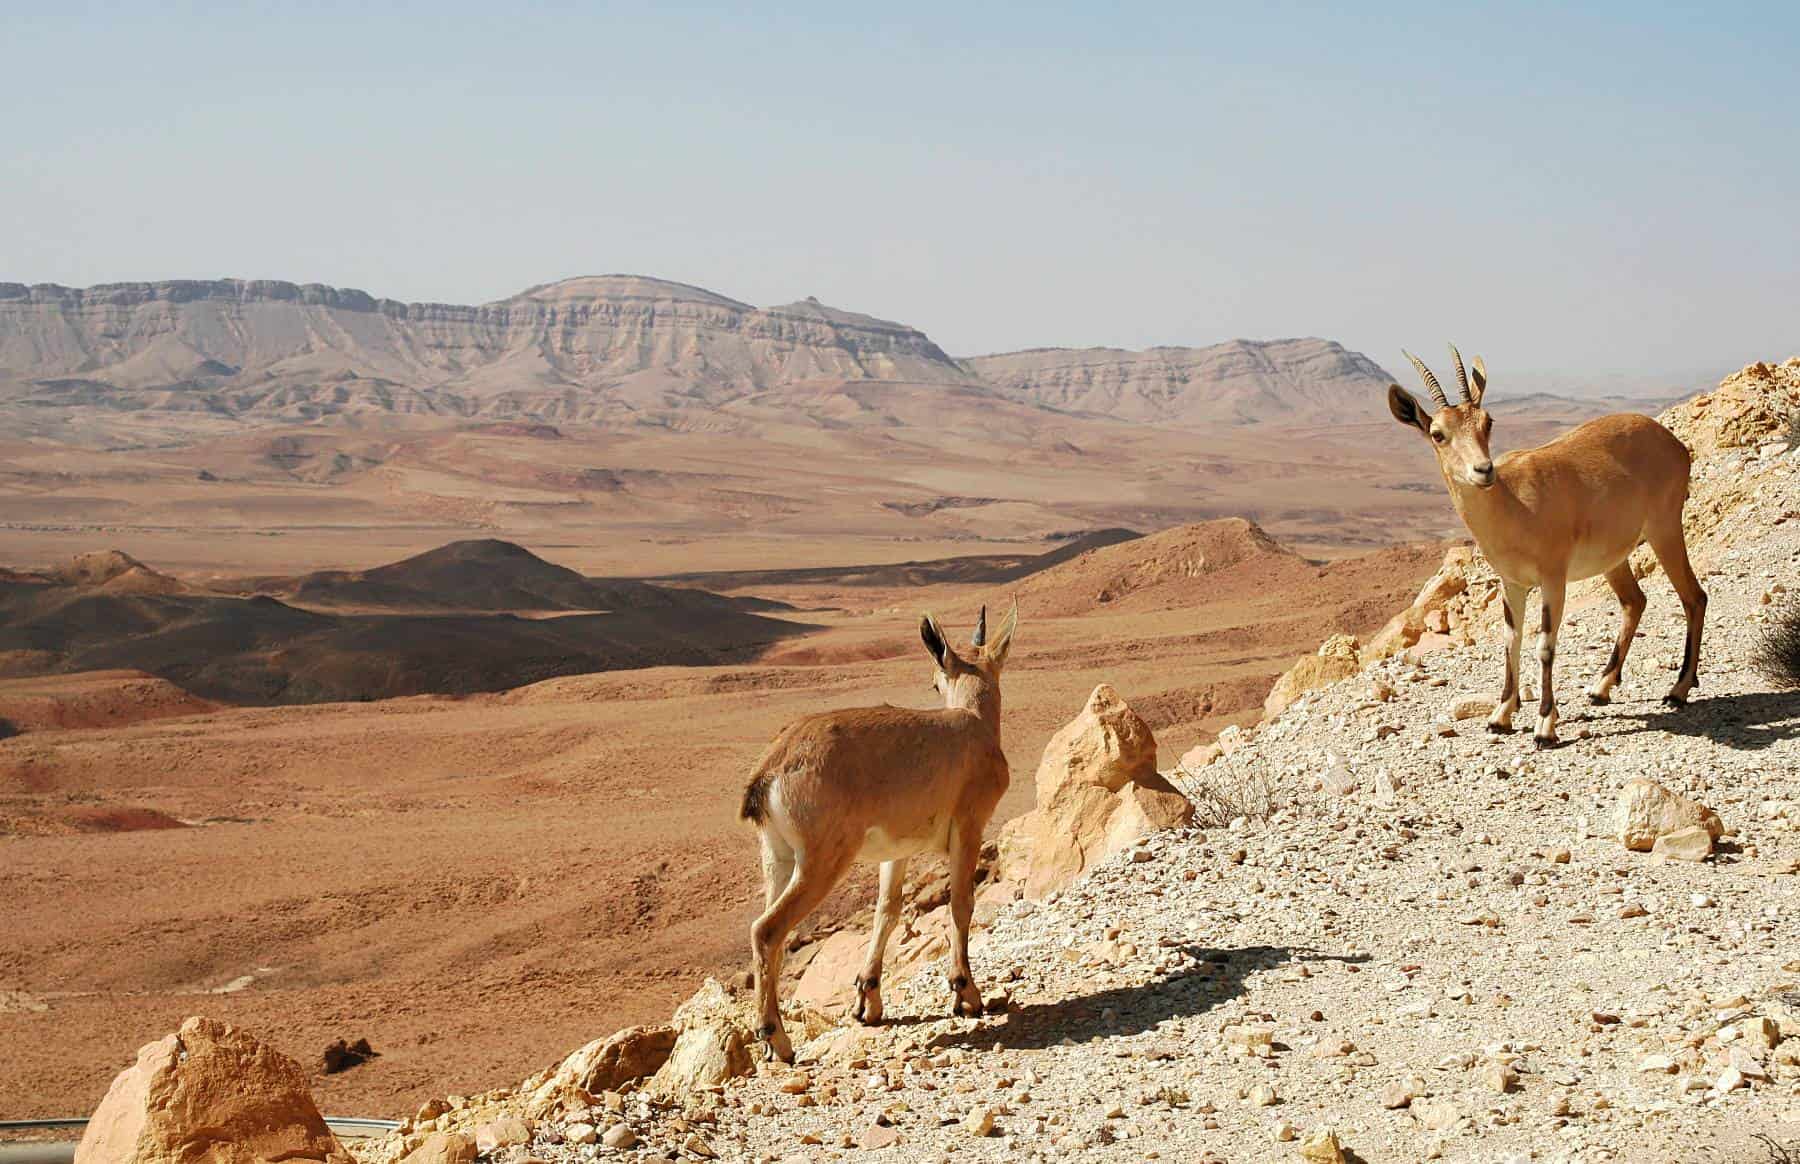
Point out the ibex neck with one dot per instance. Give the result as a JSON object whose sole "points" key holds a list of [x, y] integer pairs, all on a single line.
{"points": [[984, 701], [1479, 507]]}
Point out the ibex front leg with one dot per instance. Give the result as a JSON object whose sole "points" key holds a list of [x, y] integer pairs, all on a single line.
{"points": [[1552, 590], [965, 852], [1513, 600], [887, 912]]}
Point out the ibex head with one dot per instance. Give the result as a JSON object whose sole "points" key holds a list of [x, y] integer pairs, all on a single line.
{"points": [[961, 680], [1458, 432]]}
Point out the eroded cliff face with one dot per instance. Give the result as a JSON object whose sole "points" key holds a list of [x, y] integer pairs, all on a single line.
{"points": [[1243, 381], [588, 348]]}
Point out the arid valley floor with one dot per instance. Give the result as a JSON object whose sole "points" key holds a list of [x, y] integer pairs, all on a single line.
{"points": [[348, 694]]}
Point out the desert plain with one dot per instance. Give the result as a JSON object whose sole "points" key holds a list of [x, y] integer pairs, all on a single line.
{"points": [[354, 693]]}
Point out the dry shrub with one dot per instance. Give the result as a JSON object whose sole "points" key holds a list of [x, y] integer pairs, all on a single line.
{"points": [[1222, 792], [1778, 1153], [1777, 657]]}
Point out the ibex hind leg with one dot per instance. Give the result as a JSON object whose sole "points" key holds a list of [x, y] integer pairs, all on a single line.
{"points": [[1667, 540], [777, 866], [812, 882], [965, 854], [1631, 607], [887, 913]]}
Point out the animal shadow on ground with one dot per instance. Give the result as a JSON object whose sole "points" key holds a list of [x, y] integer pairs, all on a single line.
{"points": [[1215, 976], [1747, 722]]}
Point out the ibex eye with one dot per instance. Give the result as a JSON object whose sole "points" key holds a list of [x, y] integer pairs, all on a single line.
{"points": [[1437, 436]]}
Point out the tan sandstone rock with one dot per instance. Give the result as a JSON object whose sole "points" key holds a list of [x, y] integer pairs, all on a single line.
{"points": [[602, 1065], [1337, 658], [1199, 756], [443, 1148], [1400, 632], [1692, 843], [1321, 1147], [1098, 791], [1107, 746], [505, 1132], [209, 1092], [1451, 579], [1647, 810], [713, 1044]]}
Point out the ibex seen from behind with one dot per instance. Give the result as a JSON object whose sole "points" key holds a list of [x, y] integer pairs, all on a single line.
{"points": [[1561, 512], [879, 784]]}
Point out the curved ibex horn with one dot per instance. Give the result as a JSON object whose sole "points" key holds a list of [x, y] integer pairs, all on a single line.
{"points": [[1437, 393], [980, 638], [1462, 377]]}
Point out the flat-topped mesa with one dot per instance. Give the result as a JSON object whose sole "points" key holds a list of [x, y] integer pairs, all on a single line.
{"points": [[631, 342], [1237, 382]]}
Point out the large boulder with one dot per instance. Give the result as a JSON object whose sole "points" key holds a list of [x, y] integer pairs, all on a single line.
{"points": [[829, 981], [1337, 658], [443, 1148], [1646, 810], [1457, 601], [712, 1044], [1400, 632], [830, 976], [1106, 746], [209, 1094], [602, 1065], [1098, 791]]}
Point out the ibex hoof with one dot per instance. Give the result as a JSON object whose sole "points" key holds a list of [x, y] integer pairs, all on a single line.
{"points": [[1599, 698], [775, 1043], [1674, 700], [1499, 729], [868, 1001], [1545, 743], [968, 999]]}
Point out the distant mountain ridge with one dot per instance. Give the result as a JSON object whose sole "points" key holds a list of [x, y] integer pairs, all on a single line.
{"points": [[587, 349], [1236, 382], [605, 348]]}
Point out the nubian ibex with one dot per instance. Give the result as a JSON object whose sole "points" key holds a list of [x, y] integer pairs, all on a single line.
{"points": [[879, 784], [1561, 512]]}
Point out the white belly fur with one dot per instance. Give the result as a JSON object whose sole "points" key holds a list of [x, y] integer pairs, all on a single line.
{"points": [[878, 845], [1598, 560]]}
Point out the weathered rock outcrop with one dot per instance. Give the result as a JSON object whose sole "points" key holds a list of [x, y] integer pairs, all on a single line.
{"points": [[1647, 811], [1456, 604], [1098, 791], [712, 1044], [1338, 657], [603, 1065], [209, 1092]]}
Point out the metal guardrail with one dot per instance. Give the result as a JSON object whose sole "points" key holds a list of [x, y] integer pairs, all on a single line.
{"points": [[63, 1151]]}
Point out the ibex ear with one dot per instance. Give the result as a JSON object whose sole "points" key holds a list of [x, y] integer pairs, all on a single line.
{"points": [[1002, 641], [934, 639], [1406, 410], [1477, 381]]}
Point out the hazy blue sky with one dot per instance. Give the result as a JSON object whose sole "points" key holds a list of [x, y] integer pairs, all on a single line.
{"points": [[1609, 190]]}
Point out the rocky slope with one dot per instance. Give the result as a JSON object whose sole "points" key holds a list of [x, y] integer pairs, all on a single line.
{"points": [[1243, 381], [1389, 936], [586, 348]]}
